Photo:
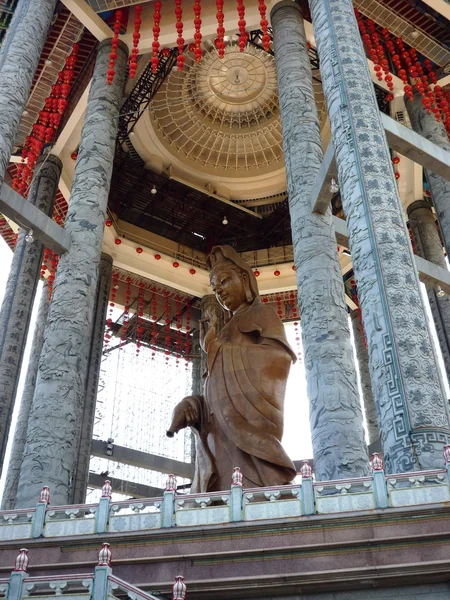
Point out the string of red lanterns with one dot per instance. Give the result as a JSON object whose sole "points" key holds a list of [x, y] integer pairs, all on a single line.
{"points": [[114, 45], [180, 39], [178, 324], [126, 314], [264, 24], [112, 298], [220, 43], [187, 339], [197, 34], [54, 260], [156, 31], [139, 317], [154, 309], [241, 24], [166, 326], [136, 37], [47, 123]]}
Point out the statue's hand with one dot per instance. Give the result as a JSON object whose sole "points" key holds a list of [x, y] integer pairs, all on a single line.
{"points": [[185, 414]]}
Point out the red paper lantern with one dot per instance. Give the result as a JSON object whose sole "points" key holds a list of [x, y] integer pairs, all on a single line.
{"points": [[139, 250], [108, 222], [276, 273], [176, 264], [117, 241], [256, 273], [157, 256], [192, 271], [396, 160], [74, 155]]}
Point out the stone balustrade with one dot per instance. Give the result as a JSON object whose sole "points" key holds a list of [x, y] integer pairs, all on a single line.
{"points": [[302, 500]]}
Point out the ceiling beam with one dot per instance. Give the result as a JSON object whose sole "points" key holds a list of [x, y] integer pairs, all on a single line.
{"points": [[26, 215], [89, 18]]}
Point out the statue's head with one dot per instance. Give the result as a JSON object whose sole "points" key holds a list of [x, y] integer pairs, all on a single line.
{"points": [[232, 279]]}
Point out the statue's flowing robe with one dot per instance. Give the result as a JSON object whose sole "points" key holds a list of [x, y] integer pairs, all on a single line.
{"points": [[241, 413]]}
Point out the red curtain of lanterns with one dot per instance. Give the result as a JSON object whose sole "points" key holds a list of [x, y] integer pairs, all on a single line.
{"points": [[180, 39], [154, 309], [126, 313], [139, 317], [220, 44], [136, 37], [241, 24], [114, 45], [187, 340], [156, 31], [48, 121]]}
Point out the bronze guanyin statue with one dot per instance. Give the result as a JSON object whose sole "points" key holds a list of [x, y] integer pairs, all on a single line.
{"points": [[238, 422]]}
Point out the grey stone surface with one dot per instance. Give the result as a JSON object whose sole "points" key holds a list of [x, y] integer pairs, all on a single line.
{"points": [[362, 356], [18, 62], [435, 132], [94, 364], [412, 414], [21, 289], [335, 412], [20, 432], [55, 422], [428, 245]]}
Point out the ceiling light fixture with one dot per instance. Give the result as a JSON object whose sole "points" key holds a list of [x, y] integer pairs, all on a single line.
{"points": [[29, 237], [225, 221], [440, 292], [153, 190], [334, 187]]}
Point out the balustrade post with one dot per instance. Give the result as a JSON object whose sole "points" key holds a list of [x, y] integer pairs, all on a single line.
{"points": [[17, 576], [37, 528], [101, 573], [102, 513], [379, 481], [307, 490], [168, 505], [236, 495]]}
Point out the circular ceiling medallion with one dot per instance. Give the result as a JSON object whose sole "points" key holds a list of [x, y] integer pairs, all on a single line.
{"points": [[222, 114]]}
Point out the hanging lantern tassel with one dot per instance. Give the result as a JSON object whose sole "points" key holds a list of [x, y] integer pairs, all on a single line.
{"points": [[180, 39], [264, 26], [187, 341], [114, 45], [197, 34], [139, 319], [241, 25], [220, 44], [136, 37], [156, 32]]}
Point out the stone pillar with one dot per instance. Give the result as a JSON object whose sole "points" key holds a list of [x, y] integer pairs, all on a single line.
{"points": [[53, 437], [338, 439], [362, 356], [18, 62], [435, 132], [412, 414], [429, 246], [20, 292], [20, 433], [94, 365]]}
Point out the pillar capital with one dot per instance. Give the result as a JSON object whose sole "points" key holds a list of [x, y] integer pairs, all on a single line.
{"points": [[418, 204], [285, 4], [107, 44]]}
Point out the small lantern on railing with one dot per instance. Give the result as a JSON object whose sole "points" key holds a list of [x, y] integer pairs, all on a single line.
{"points": [[22, 561], [447, 454], [104, 556], [305, 470], [44, 497], [376, 463], [171, 483], [179, 588], [236, 478], [107, 489]]}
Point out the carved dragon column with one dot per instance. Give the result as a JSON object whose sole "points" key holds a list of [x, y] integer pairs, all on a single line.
{"points": [[412, 414], [94, 365], [20, 432], [362, 357], [335, 411], [428, 245], [19, 58], [20, 292], [435, 132], [53, 437]]}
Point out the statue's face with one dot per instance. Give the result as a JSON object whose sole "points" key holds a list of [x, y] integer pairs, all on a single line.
{"points": [[228, 286]]}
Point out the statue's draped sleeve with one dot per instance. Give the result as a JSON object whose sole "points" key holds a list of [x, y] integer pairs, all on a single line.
{"points": [[248, 366]]}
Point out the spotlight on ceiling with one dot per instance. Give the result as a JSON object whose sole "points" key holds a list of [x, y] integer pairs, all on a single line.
{"points": [[48, 62], [440, 292], [153, 190], [225, 221], [29, 237]]}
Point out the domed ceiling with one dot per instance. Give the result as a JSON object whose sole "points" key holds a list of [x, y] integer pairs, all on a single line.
{"points": [[216, 124]]}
